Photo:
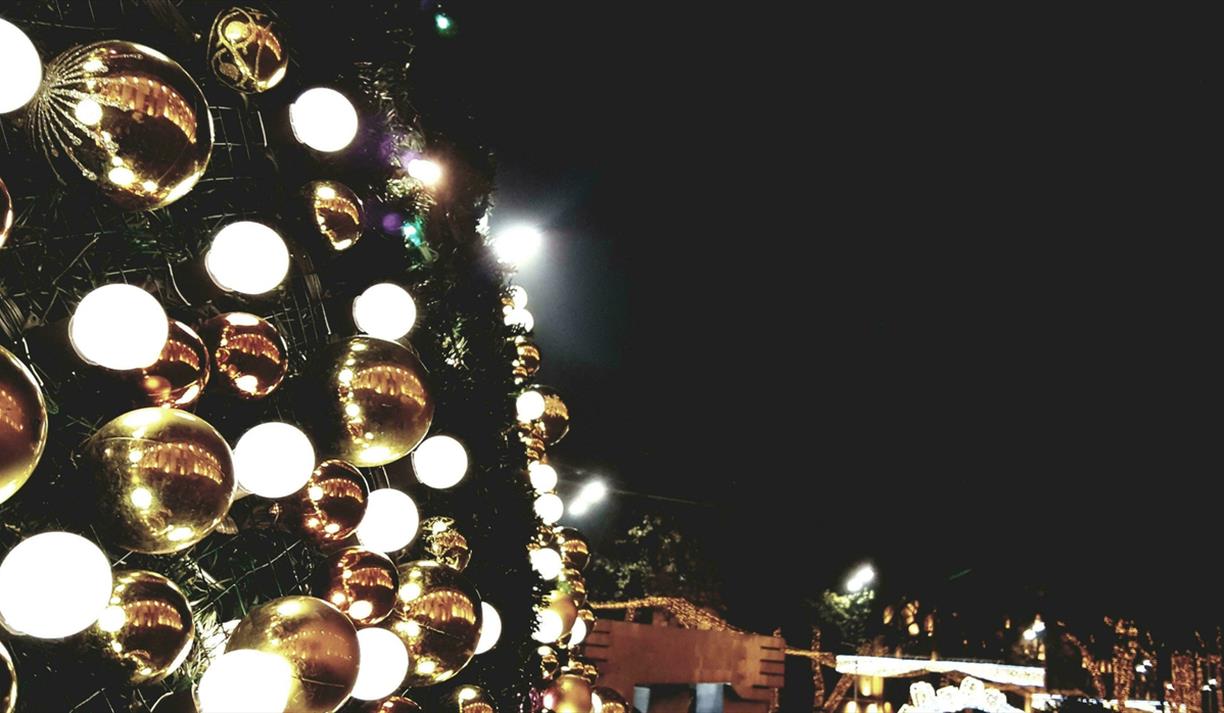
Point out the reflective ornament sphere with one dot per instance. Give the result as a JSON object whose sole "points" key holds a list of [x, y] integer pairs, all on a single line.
{"points": [[372, 402], [164, 479], [6, 214], [549, 664], [572, 583], [527, 358], [23, 424], [438, 616], [392, 704], [561, 604], [474, 699], [178, 377], [146, 631], [245, 50], [332, 503], [534, 445], [574, 549], [317, 640], [128, 118], [249, 356], [611, 701], [570, 693], [446, 544], [555, 420], [8, 682], [360, 583], [336, 212]]}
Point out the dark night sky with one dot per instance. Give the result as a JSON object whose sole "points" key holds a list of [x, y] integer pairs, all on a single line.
{"points": [[876, 287]]}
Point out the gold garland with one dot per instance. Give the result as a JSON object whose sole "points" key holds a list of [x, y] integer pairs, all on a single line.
{"points": [[687, 614]]}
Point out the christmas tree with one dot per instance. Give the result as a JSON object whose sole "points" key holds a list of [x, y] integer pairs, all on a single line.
{"points": [[271, 436]]}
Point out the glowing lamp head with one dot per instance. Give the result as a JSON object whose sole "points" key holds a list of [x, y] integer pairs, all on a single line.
{"points": [[519, 318], [22, 73], [425, 171], [529, 406], [549, 627], [517, 246], [543, 476], [384, 664], [246, 681], [119, 327], [247, 257], [273, 460], [390, 521], [518, 297], [490, 628], [385, 311], [547, 563], [549, 508], [323, 119], [440, 462], [53, 585], [578, 632]]}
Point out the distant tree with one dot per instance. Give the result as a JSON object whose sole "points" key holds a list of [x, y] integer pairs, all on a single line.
{"points": [[656, 557]]}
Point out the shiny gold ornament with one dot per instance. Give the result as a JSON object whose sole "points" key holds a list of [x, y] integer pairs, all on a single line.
{"points": [[586, 669], [331, 504], [438, 616], [527, 359], [246, 51], [392, 704], [474, 699], [6, 214], [555, 420], [361, 583], [8, 682], [570, 693], [562, 604], [146, 632], [587, 615], [549, 664], [532, 436], [571, 582], [337, 213], [612, 702], [164, 479], [373, 404], [178, 377], [317, 640], [249, 356], [128, 118], [23, 424], [447, 545], [574, 548]]}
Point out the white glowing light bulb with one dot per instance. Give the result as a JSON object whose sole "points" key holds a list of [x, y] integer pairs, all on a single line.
{"points": [[247, 257], [518, 297], [549, 507], [246, 681], [323, 119], [547, 562], [518, 245], [383, 664], [390, 521], [53, 584], [519, 318], [549, 628], [440, 462], [490, 628], [273, 460], [385, 311], [22, 73], [578, 632], [529, 406], [543, 476], [425, 171], [119, 327]]}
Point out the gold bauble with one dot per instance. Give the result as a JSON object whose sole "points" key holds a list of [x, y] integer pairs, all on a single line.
{"points": [[562, 604], [331, 504], [248, 354], [6, 213], [178, 377], [23, 424], [532, 436], [128, 118], [335, 210], [587, 615], [587, 670], [555, 420], [446, 544], [571, 582], [361, 583], [574, 548], [438, 616], [392, 704], [569, 693], [372, 404], [146, 631], [245, 50], [549, 664], [165, 479], [317, 640], [474, 699], [8, 682], [527, 358], [612, 701]]}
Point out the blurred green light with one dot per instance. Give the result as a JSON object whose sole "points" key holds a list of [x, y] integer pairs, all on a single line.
{"points": [[443, 22]]}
